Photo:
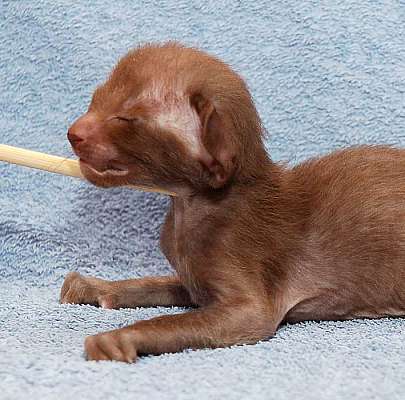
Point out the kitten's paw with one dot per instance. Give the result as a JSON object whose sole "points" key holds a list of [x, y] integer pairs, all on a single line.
{"points": [[117, 345], [78, 289]]}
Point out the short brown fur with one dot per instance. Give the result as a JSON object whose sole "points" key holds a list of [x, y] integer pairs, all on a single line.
{"points": [[253, 243]]}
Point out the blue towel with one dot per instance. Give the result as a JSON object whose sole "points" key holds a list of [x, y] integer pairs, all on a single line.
{"points": [[324, 75]]}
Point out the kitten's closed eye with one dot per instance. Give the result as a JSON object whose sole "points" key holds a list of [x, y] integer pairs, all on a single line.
{"points": [[125, 119]]}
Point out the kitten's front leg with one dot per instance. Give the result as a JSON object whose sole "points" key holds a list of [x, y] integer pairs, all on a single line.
{"points": [[143, 292], [213, 326]]}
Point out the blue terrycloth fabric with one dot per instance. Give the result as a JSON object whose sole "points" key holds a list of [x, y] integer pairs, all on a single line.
{"points": [[324, 74]]}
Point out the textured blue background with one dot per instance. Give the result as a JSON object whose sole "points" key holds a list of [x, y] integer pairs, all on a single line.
{"points": [[324, 75]]}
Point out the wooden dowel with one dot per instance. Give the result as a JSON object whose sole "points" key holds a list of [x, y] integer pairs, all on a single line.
{"points": [[55, 164]]}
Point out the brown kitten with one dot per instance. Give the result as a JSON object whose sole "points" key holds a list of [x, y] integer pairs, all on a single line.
{"points": [[253, 243]]}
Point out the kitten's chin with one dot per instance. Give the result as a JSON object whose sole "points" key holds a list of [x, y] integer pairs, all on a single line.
{"points": [[109, 177]]}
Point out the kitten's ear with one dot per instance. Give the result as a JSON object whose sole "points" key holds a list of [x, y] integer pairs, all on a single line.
{"points": [[216, 139]]}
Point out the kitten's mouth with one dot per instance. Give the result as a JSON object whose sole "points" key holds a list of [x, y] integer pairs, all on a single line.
{"points": [[110, 169]]}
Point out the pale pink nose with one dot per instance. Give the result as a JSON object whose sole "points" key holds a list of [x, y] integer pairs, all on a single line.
{"points": [[74, 137], [82, 129]]}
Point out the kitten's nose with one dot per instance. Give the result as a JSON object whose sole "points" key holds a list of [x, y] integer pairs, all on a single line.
{"points": [[74, 136], [84, 128]]}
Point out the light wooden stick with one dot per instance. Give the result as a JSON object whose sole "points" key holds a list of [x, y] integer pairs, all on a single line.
{"points": [[55, 164]]}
